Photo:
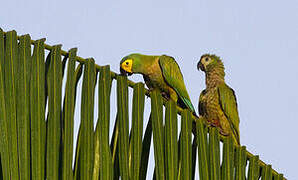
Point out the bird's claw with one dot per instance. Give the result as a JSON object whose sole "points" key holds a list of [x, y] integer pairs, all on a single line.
{"points": [[149, 91], [165, 95]]}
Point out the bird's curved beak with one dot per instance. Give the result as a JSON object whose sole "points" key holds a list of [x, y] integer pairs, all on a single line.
{"points": [[123, 72], [200, 66]]}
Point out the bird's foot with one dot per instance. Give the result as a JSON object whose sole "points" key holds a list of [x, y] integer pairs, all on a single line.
{"points": [[222, 132], [165, 95], [149, 91]]}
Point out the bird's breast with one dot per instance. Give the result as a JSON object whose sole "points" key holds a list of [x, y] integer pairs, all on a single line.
{"points": [[156, 81], [210, 100]]}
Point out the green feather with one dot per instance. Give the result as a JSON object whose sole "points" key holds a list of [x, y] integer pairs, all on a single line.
{"points": [[202, 107], [140, 62], [161, 74], [215, 80], [228, 104], [174, 78]]}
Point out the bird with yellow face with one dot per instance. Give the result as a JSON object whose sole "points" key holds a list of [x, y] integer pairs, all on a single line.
{"points": [[161, 73]]}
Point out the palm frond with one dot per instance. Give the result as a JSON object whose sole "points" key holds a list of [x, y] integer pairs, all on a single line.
{"points": [[37, 128]]}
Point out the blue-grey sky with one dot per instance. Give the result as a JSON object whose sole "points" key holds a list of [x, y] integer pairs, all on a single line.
{"points": [[257, 41]]}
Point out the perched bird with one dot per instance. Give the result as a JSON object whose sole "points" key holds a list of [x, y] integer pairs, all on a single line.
{"points": [[217, 103], [159, 72]]}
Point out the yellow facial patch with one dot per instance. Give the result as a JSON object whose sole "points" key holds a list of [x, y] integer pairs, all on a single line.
{"points": [[127, 65]]}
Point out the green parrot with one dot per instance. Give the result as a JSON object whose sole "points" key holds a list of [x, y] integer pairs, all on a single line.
{"points": [[217, 103], [159, 72]]}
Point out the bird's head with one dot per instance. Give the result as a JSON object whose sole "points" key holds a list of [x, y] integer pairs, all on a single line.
{"points": [[208, 61], [128, 63]]}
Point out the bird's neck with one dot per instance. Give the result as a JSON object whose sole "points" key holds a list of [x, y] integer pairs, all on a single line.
{"points": [[215, 77], [147, 65], [151, 67]]}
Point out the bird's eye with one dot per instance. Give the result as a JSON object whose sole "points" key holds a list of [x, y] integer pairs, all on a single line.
{"points": [[127, 63], [206, 59]]}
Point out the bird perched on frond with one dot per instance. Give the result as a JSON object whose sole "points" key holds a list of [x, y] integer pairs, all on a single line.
{"points": [[159, 72], [217, 103]]}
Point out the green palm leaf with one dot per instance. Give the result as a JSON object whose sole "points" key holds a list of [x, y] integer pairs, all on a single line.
{"points": [[23, 66], [137, 130], [171, 145], [123, 143], [158, 133], [86, 151], [11, 55], [37, 111], [4, 148], [31, 89], [185, 145], [102, 158], [68, 118], [54, 80]]}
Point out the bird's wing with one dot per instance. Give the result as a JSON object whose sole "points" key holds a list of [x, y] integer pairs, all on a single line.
{"points": [[174, 78], [228, 104], [202, 107]]}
